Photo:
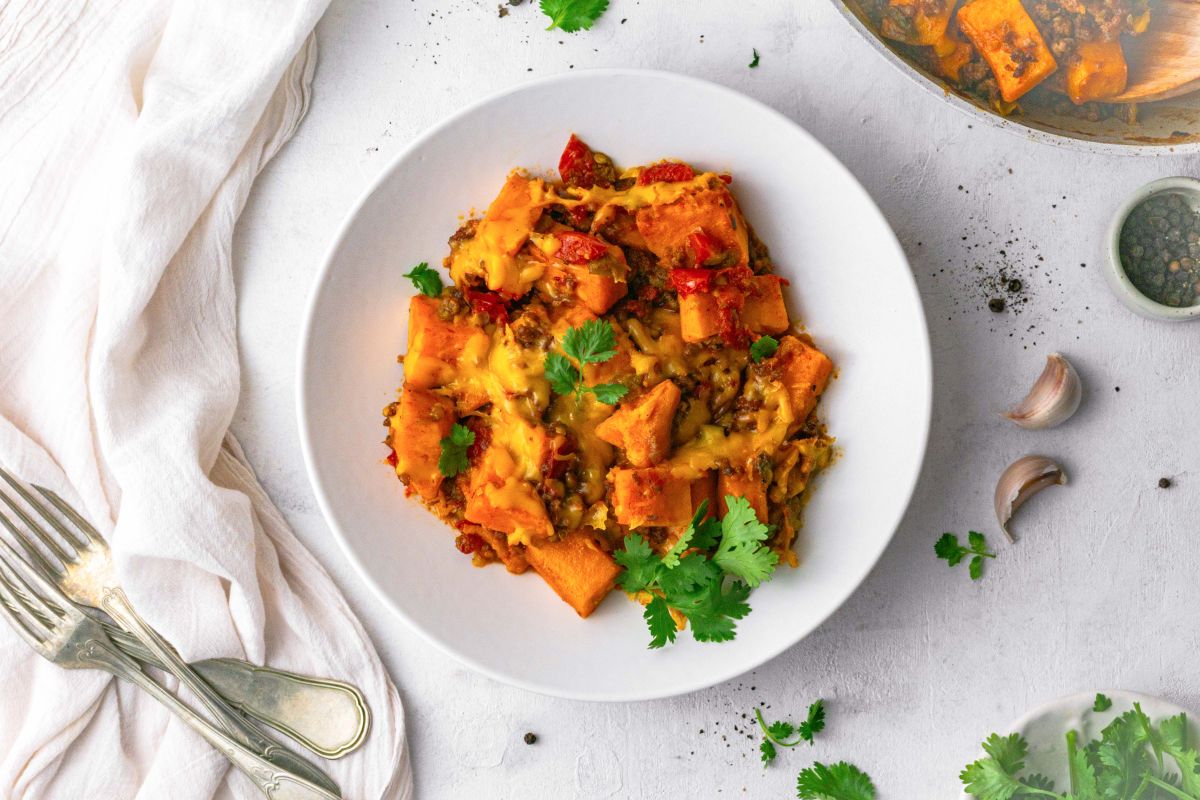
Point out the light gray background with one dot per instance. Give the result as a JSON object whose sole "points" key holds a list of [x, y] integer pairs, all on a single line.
{"points": [[920, 664]]}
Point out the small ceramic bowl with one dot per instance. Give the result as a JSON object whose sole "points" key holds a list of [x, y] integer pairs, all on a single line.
{"points": [[1118, 280]]}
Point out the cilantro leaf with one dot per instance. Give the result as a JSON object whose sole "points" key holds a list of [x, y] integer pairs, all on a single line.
{"points": [[840, 781], [815, 723], [453, 458], [781, 730], [561, 373], [768, 751], [640, 563], [948, 548], [764, 346], [608, 393], [573, 15], [754, 65], [594, 342], [427, 281], [740, 551], [661, 623], [712, 610], [987, 779], [1009, 751], [700, 533], [1103, 703]]}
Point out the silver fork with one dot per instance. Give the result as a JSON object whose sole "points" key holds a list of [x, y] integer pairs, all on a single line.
{"points": [[60, 632], [86, 575]]}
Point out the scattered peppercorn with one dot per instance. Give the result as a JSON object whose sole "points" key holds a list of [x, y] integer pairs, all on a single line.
{"points": [[996, 304], [1164, 483], [1160, 249], [1014, 286], [530, 738]]}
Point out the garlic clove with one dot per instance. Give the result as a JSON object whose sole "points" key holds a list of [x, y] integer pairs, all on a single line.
{"points": [[1053, 399], [1024, 478]]}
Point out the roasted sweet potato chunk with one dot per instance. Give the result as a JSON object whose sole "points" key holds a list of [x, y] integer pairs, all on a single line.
{"points": [[643, 429], [918, 22], [666, 227], [434, 346], [652, 496], [1097, 72], [701, 314], [576, 569], [805, 372], [598, 293], [1005, 35], [421, 421], [500, 499], [764, 311], [747, 482]]}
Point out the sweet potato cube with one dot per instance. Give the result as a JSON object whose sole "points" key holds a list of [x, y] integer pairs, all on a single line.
{"points": [[597, 293], [500, 499], [916, 21], [700, 313], [1005, 35], [744, 482], [714, 211], [433, 345], [421, 421], [652, 496], [509, 219], [576, 569], [1097, 72], [804, 371], [705, 488], [764, 311], [643, 429]]}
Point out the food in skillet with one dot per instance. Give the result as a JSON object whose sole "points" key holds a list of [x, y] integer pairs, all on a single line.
{"points": [[611, 392], [1002, 50]]}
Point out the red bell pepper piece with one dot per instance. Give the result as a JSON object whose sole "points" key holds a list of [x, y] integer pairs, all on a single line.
{"points": [[577, 165], [488, 303], [704, 247], [579, 248], [691, 281], [667, 171]]}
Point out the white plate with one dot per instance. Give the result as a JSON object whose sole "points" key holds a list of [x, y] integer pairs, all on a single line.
{"points": [[850, 284], [1045, 727]]}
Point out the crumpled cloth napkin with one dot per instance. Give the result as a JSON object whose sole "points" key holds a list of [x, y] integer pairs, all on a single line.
{"points": [[130, 134]]}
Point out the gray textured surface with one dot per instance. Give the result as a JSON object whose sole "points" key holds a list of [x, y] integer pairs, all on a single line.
{"points": [[920, 664]]}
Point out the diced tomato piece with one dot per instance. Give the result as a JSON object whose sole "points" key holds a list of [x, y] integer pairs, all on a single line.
{"points": [[581, 217], [729, 308], [579, 248], [468, 543], [392, 458], [577, 165], [726, 178], [667, 172], [489, 303], [704, 247], [483, 438], [691, 281]]}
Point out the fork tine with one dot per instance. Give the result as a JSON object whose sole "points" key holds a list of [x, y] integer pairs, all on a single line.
{"points": [[63, 531], [37, 530], [28, 546], [85, 527], [27, 582], [32, 630]]}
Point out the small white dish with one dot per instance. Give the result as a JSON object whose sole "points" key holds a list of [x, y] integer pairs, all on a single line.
{"points": [[1118, 281], [1045, 727], [850, 284]]}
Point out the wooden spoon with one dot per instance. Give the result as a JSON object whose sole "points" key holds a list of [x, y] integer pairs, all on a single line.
{"points": [[1165, 60]]}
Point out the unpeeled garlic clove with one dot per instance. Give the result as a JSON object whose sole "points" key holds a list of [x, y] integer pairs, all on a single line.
{"points": [[1053, 399], [1024, 478]]}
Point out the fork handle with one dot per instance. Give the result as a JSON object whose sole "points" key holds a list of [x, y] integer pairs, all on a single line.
{"points": [[275, 783], [115, 602]]}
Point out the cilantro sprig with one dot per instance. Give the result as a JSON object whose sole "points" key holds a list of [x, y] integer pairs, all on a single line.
{"points": [[781, 733], [1128, 761], [427, 281], [949, 549], [763, 347], [573, 15], [840, 781], [594, 342], [1103, 703], [708, 589], [453, 458]]}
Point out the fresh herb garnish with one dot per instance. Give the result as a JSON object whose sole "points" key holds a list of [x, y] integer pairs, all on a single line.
{"points": [[427, 281], [594, 342], [754, 61], [453, 458], [573, 15], [709, 590], [949, 549], [840, 781], [1125, 763], [781, 733], [1103, 703], [763, 347]]}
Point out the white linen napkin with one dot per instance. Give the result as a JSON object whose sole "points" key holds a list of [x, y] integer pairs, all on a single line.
{"points": [[130, 133]]}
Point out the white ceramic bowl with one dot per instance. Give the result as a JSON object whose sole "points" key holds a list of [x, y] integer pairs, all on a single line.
{"points": [[849, 282], [1045, 727], [1118, 281]]}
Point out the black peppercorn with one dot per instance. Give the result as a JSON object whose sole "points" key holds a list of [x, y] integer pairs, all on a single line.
{"points": [[530, 738], [996, 304], [1164, 483]]}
